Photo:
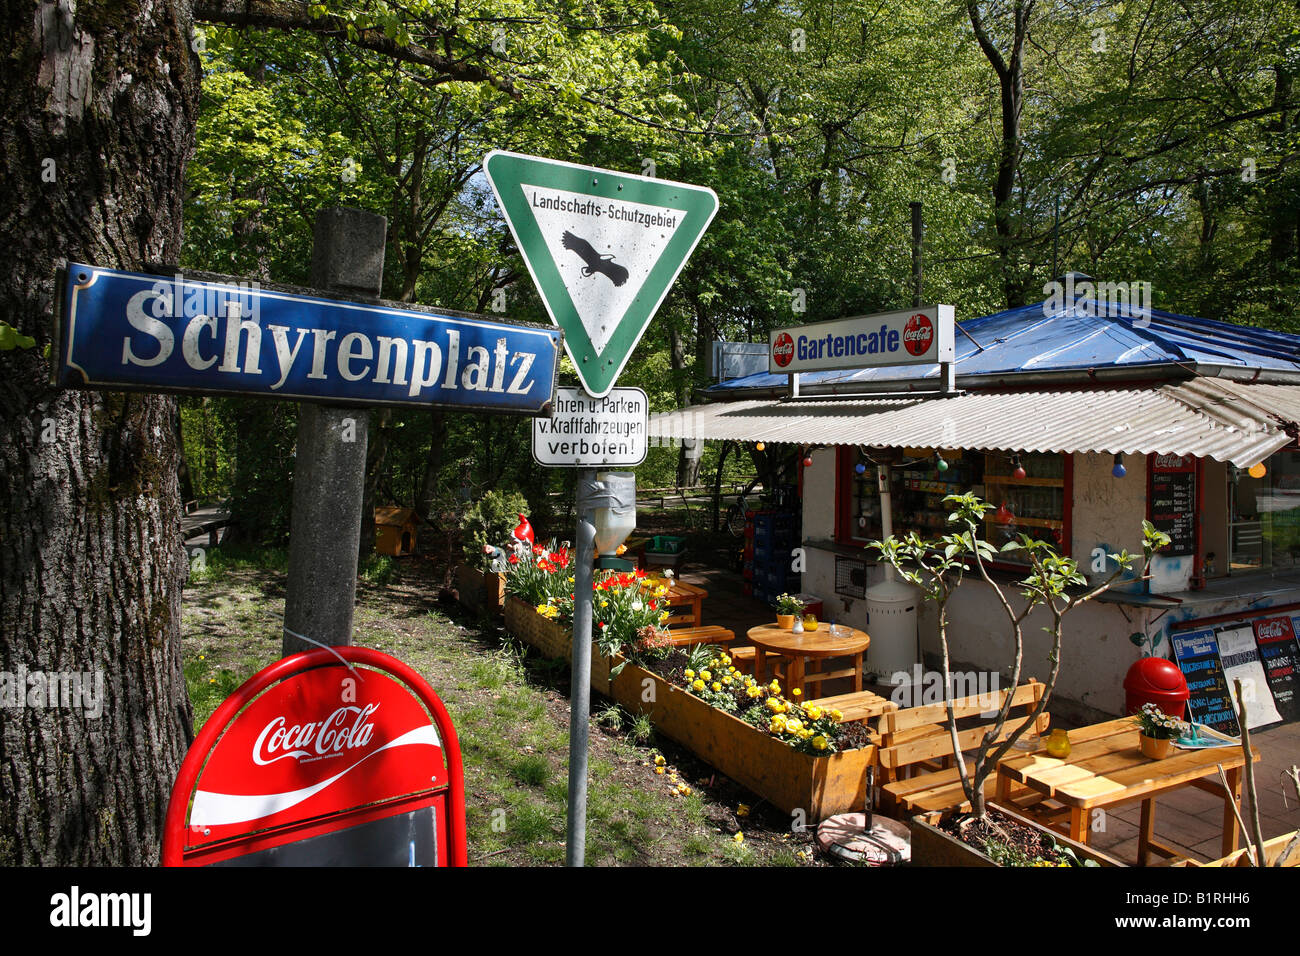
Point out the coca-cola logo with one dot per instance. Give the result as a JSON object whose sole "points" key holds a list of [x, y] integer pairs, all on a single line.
{"points": [[346, 729], [918, 334], [1272, 630], [783, 349]]}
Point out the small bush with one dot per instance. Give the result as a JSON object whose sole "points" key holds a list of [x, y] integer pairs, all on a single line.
{"points": [[489, 521]]}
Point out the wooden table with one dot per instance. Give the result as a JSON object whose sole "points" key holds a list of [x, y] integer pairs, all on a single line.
{"points": [[685, 603], [813, 646], [1106, 768]]}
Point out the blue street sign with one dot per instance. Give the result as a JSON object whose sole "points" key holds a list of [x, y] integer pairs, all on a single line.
{"points": [[128, 330]]}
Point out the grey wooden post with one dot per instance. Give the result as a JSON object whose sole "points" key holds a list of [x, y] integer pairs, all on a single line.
{"points": [[330, 471]]}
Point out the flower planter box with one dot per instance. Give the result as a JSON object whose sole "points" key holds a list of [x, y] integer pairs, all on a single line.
{"points": [[785, 777], [480, 590], [931, 846]]}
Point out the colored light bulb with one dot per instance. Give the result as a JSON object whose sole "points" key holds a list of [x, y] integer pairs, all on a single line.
{"points": [[941, 464], [1019, 471], [760, 446], [860, 468], [1119, 471], [1257, 471]]}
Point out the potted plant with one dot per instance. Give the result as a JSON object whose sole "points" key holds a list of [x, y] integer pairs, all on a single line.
{"points": [[787, 607], [1157, 731]]}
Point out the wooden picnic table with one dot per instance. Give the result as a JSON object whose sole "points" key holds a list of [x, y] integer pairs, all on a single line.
{"points": [[685, 603], [813, 646], [1106, 768]]}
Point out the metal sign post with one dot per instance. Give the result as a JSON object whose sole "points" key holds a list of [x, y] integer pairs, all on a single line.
{"points": [[580, 687], [603, 249]]}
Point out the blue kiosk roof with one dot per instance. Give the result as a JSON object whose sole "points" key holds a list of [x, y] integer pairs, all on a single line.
{"points": [[1037, 339]]}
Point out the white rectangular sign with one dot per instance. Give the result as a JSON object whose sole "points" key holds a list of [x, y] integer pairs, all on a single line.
{"points": [[587, 432], [924, 335]]}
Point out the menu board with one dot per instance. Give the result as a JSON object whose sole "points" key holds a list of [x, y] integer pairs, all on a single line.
{"points": [[1280, 656], [1241, 662], [1173, 501], [1197, 654]]}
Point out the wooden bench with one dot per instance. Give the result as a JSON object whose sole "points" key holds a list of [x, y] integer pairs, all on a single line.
{"points": [[861, 705], [743, 659], [917, 739], [709, 634]]}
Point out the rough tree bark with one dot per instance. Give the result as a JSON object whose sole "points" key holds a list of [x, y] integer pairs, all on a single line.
{"points": [[100, 105]]}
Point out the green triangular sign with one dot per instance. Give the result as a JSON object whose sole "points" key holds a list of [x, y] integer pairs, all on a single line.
{"points": [[603, 248]]}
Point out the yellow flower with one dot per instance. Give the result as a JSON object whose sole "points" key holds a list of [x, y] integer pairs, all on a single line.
{"points": [[725, 659], [797, 692], [570, 578], [838, 715], [819, 742], [753, 691], [774, 687], [716, 686], [727, 681], [604, 604], [794, 725], [773, 704], [742, 810], [814, 713], [659, 769], [706, 675], [689, 673], [739, 837], [663, 616], [659, 760]]}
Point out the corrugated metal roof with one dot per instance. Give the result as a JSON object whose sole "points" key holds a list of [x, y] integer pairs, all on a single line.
{"points": [[1086, 335], [1211, 418]]}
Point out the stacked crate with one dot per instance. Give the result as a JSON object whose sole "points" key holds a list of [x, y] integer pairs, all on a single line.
{"points": [[770, 539]]}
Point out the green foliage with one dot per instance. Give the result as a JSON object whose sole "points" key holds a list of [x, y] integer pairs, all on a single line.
{"points": [[488, 522], [11, 338]]}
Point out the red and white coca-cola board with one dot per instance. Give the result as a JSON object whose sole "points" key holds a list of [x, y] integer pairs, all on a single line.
{"points": [[342, 756]]}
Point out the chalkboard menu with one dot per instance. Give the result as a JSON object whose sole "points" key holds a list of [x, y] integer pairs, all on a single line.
{"points": [[1280, 656], [1197, 654], [1173, 501]]}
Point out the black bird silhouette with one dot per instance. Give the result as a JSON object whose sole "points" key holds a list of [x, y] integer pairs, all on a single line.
{"points": [[595, 262]]}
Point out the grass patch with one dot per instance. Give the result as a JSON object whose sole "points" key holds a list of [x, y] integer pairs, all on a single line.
{"points": [[511, 713], [533, 770]]}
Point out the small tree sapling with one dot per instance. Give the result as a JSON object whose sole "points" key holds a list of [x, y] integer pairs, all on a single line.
{"points": [[1054, 583]]}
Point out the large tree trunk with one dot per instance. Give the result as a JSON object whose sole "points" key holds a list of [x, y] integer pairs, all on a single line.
{"points": [[100, 108]]}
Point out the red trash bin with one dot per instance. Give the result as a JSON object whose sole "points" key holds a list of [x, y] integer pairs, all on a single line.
{"points": [[1155, 680]]}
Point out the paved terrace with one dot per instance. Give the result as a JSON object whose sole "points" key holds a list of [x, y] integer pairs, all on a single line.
{"points": [[1190, 820]]}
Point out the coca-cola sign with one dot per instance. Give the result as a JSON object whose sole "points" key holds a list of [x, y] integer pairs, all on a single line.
{"points": [[340, 756], [918, 334], [783, 350], [1274, 629], [910, 337], [320, 742], [345, 729]]}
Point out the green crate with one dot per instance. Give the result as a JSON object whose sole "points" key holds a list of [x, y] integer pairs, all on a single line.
{"points": [[666, 544]]}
